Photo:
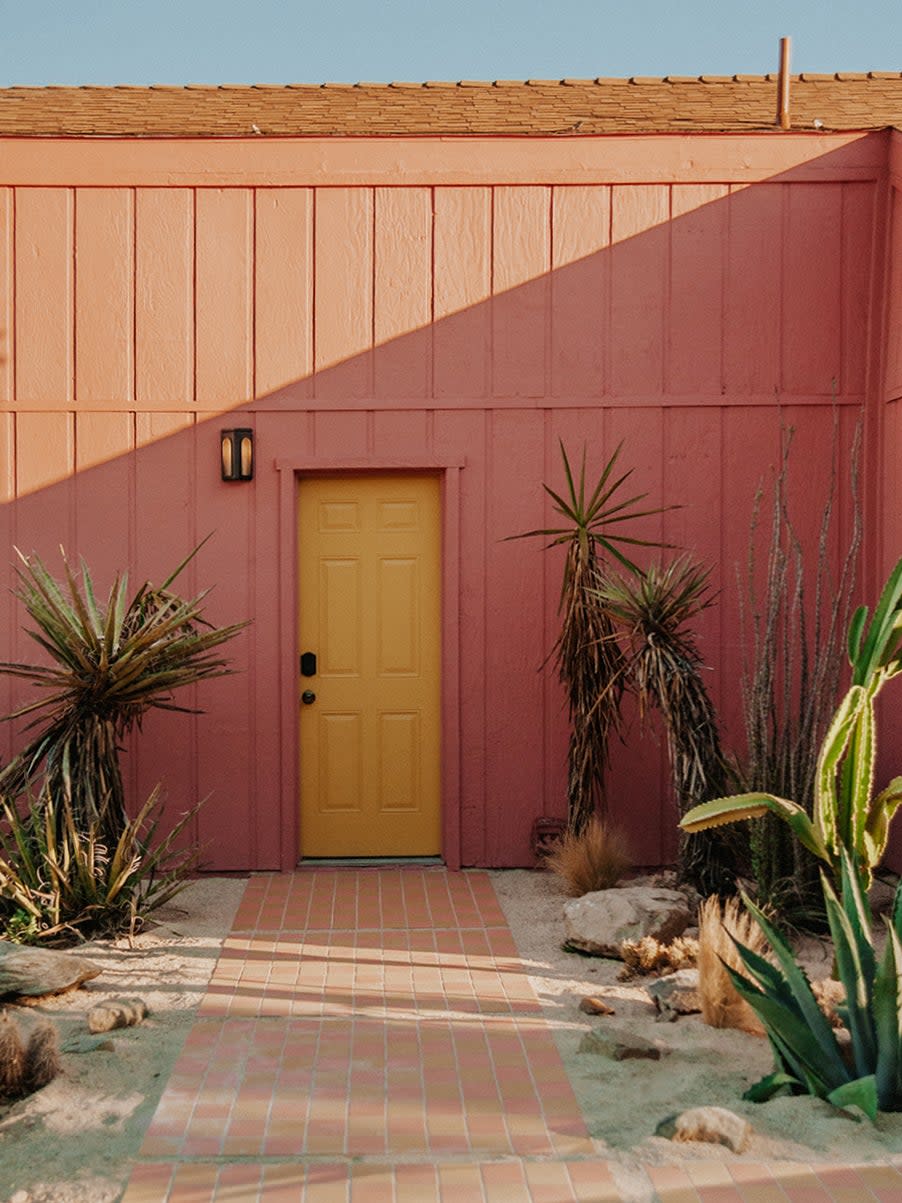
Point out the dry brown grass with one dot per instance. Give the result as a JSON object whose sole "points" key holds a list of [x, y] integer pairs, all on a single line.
{"points": [[722, 1006], [595, 859], [648, 956]]}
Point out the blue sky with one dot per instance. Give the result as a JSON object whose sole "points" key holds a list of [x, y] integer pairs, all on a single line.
{"points": [[297, 41]]}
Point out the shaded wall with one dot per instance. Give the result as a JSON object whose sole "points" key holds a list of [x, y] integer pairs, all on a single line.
{"points": [[476, 300]]}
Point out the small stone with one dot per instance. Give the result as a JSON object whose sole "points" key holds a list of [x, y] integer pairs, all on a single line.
{"points": [[21, 1196], [87, 1044], [595, 1006], [619, 1044], [713, 1125], [35, 972], [676, 994], [123, 1013]]}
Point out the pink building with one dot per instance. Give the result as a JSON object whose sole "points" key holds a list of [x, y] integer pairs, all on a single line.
{"points": [[410, 294]]}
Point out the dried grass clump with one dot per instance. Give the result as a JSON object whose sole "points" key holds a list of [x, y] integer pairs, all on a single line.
{"points": [[594, 859], [648, 956], [25, 1068], [718, 921]]}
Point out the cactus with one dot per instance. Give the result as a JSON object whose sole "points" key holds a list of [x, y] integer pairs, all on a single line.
{"points": [[847, 817], [25, 1068]]}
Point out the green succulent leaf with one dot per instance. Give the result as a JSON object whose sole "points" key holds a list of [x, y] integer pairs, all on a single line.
{"points": [[776, 1083], [887, 1005], [858, 1095], [752, 806]]}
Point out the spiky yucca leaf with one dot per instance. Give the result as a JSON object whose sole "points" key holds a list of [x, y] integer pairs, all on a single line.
{"points": [[72, 883]]}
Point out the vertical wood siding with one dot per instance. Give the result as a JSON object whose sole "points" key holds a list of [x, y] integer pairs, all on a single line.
{"points": [[686, 321]]}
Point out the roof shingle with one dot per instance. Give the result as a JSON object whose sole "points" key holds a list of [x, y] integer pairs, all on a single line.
{"points": [[844, 101]]}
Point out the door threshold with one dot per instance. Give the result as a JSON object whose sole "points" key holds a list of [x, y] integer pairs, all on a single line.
{"points": [[368, 862]]}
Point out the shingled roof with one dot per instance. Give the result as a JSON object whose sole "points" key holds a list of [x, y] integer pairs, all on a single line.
{"points": [[844, 101]]}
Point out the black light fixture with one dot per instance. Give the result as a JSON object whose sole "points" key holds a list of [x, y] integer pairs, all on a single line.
{"points": [[236, 449]]}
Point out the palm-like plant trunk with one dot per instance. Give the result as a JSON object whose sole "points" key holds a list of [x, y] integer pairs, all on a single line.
{"points": [[669, 679], [653, 610], [591, 668]]}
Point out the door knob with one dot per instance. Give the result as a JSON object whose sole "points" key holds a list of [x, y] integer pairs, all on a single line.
{"points": [[308, 696]]}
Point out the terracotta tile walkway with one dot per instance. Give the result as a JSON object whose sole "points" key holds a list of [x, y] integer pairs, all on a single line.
{"points": [[371, 1037]]}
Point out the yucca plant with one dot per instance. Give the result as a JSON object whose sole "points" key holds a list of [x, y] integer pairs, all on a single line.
{"points": [[59, 880], [111, 662], [809, 1059], [848, 818], [653, 609], [589, 659]]}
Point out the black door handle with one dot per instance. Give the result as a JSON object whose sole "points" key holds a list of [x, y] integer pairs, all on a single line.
{"points": [[308, 696]]}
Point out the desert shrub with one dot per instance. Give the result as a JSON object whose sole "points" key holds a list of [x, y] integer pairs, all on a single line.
{"points": [[720, 924], [594, 859], [793, 657], [61, 880], [648, 957]]}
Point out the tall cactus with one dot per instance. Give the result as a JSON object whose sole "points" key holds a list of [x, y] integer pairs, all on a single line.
{"points": [[847, 816]]}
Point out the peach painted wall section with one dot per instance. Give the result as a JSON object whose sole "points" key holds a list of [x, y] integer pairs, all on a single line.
{"points": [[471, 301]]}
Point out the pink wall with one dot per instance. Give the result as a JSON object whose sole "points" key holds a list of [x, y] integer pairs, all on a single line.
{"points": [[469, 301]]}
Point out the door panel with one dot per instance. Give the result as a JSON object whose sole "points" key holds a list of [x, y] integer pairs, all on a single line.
{"points": [[370, 586]]}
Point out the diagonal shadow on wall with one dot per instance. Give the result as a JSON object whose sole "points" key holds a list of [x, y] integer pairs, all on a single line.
{"points": [[689, 322]]}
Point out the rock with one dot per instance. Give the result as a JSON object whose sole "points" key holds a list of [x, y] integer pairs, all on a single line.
{"points": [[120, 1013], [87, 1044], [34, 972], [620, 1044], [676, 994], [595, 1006], [714, 1125], [601, 921]]}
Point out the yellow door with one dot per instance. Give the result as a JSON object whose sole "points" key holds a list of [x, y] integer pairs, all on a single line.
{"points": [[369, 577]]}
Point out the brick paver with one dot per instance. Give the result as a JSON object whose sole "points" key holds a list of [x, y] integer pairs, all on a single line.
{"points": [[371, 1036]]}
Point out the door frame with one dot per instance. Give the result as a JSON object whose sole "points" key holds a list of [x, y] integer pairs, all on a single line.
{"points": [[290, 473]]}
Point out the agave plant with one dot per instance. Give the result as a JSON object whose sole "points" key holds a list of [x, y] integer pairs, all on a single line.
{"points": [[111, 662], [590, 662], [847, 817], [809, 1059], [653, 609], [59, 879]]}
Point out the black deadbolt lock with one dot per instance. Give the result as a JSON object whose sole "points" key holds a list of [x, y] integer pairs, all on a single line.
{"points": [[308, 664]]}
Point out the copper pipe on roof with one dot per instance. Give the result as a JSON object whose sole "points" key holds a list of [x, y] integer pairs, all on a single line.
{"points": [[783, 85]]}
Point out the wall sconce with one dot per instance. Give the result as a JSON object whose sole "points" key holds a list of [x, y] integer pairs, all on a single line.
{"points": [[237, 454]]}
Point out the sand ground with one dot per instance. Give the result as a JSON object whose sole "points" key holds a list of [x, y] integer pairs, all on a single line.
{"points": [[74, 1141]]}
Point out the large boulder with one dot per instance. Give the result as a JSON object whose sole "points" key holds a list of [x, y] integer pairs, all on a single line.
{"points": [[601, 921], [34, 972]]}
